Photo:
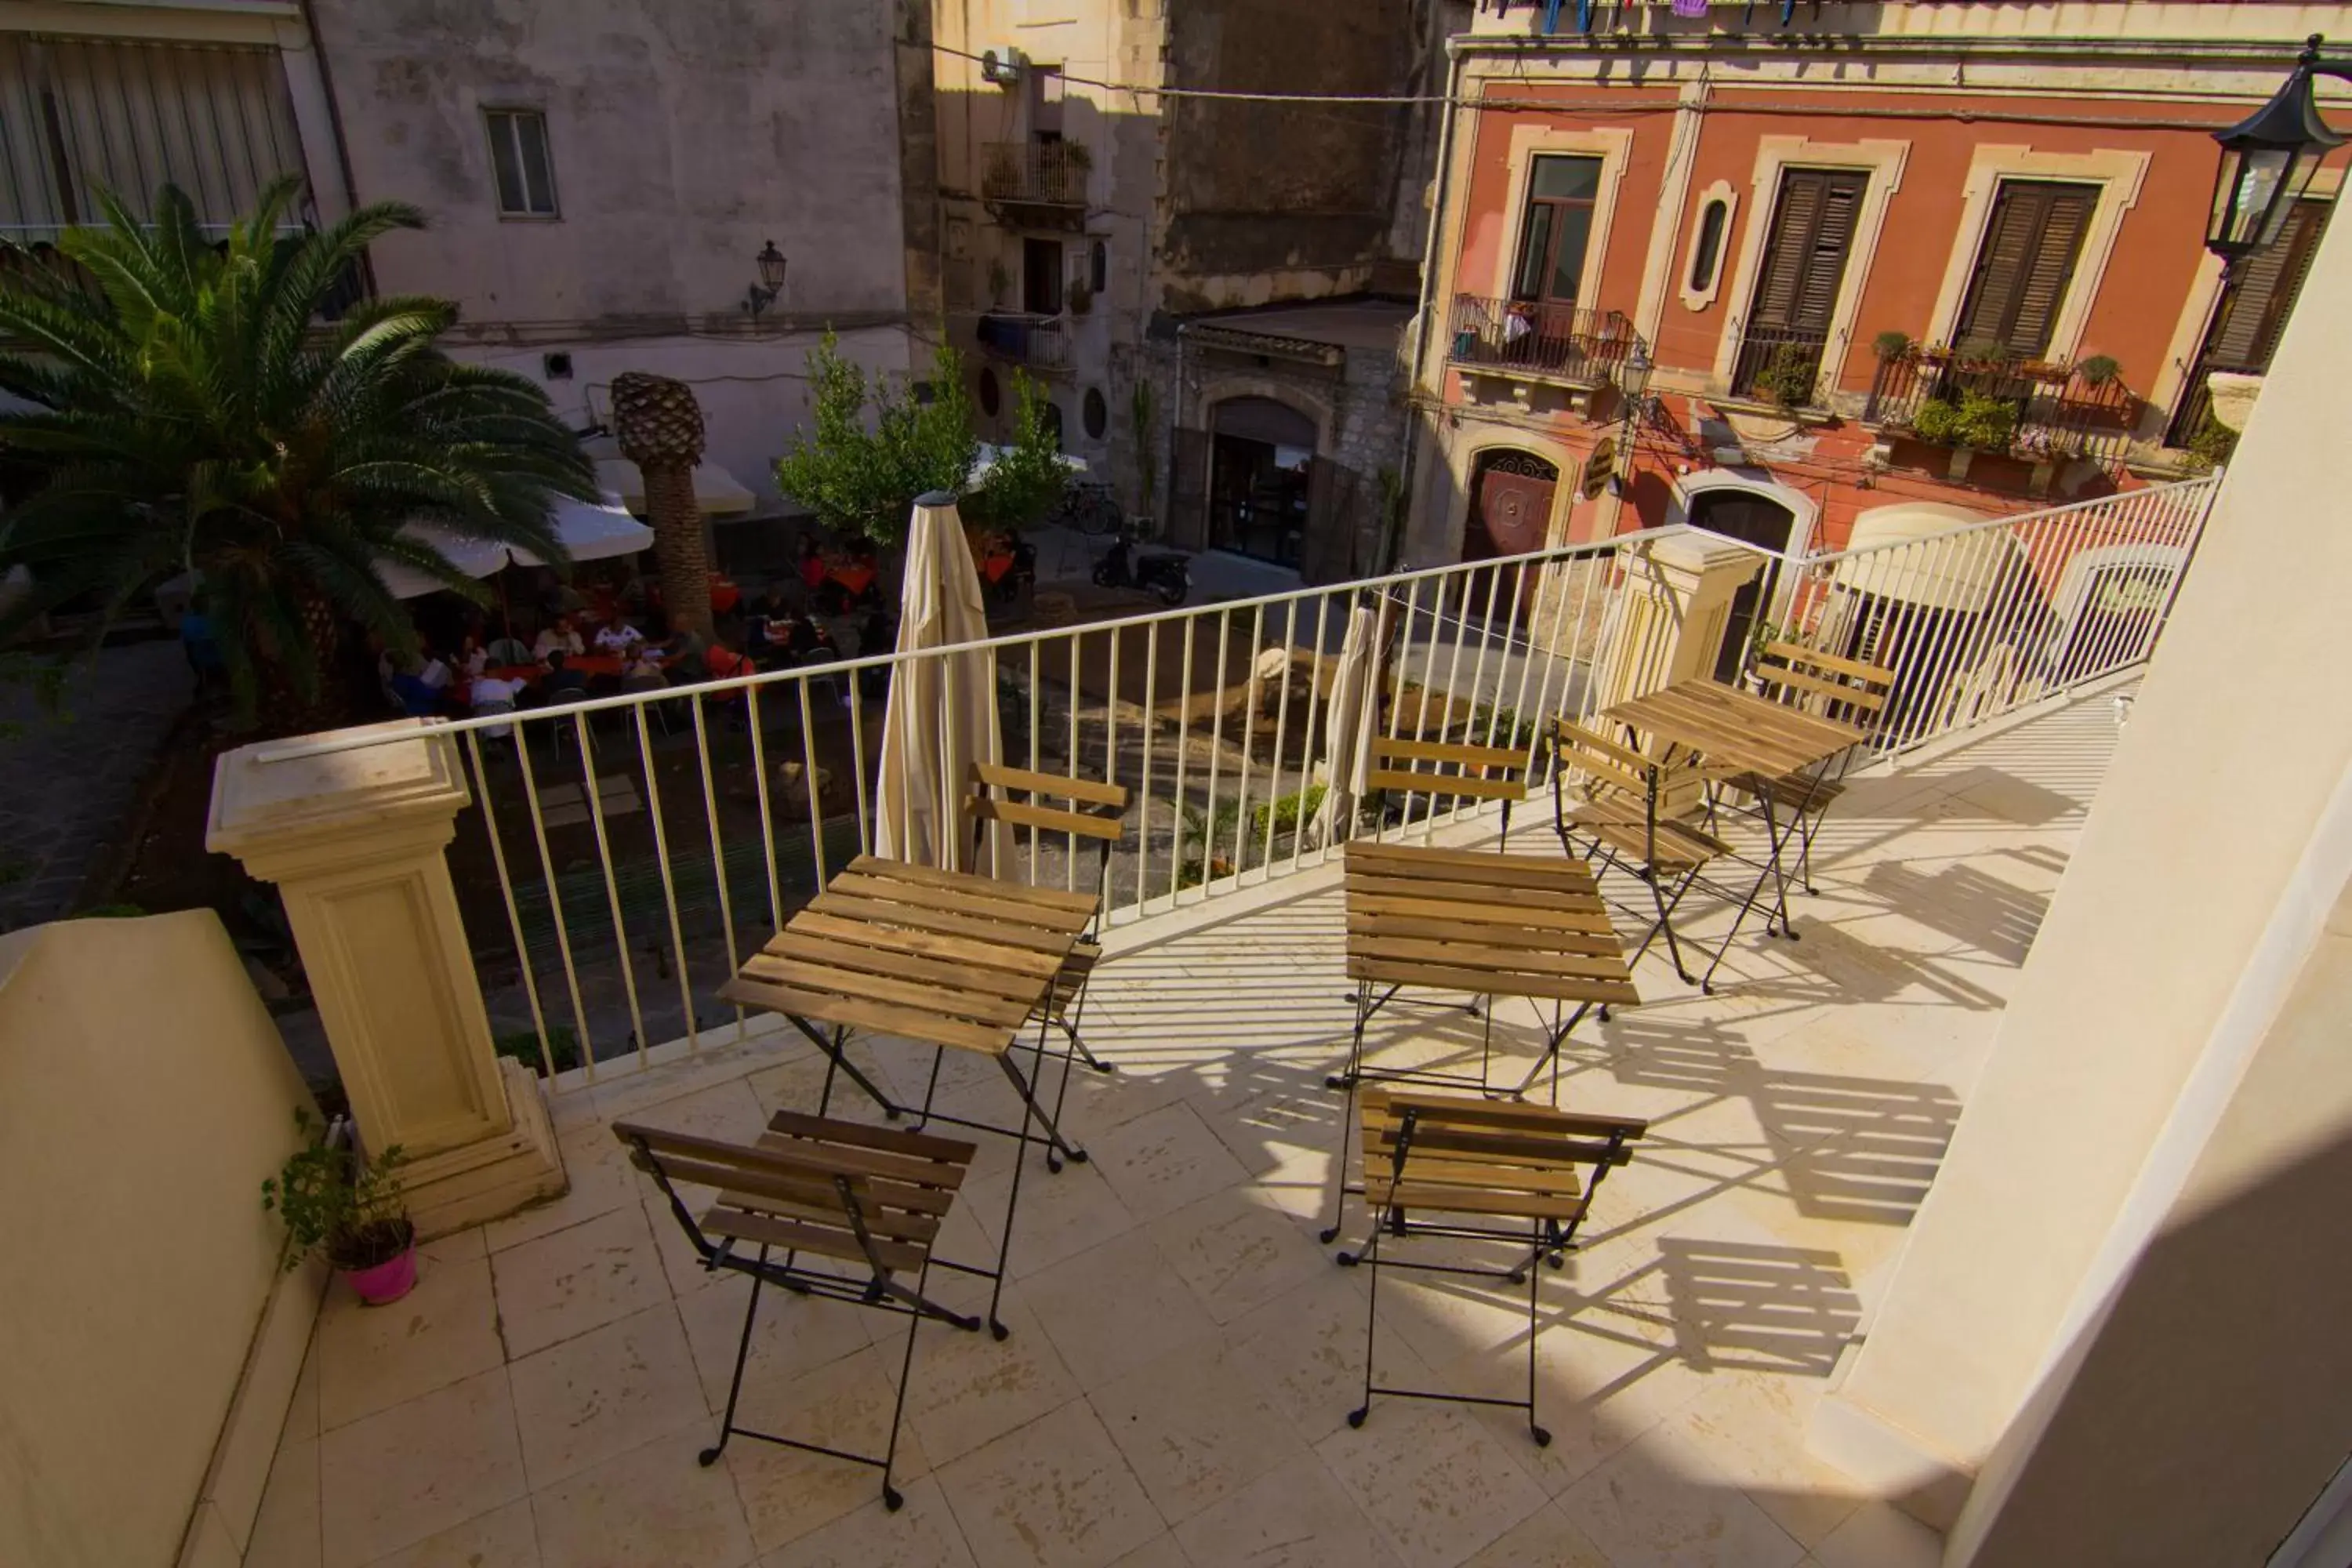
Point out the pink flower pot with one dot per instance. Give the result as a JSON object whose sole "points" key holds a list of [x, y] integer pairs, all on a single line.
{"points": [[387, 1281]]}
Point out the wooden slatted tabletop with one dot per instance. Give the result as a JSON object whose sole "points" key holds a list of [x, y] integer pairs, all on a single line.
{"points": [[1493, 925], [1479, 1157], [945, 957], [1736, 730]]}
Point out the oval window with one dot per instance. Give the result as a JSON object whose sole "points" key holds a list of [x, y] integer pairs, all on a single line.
{"points": [[992, 396], [1053, 416], [1706, 246], [1095, 413]]}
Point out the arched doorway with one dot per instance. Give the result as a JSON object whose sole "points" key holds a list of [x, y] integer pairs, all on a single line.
{"points": [[1260, 453], [1754, 513], [1510, 514]]}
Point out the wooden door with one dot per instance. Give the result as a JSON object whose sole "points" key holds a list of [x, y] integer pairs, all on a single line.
{"points": [[1510, 514]]}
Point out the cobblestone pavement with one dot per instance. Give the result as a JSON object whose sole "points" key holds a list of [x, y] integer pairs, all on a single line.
{"points": [[67, 782]]}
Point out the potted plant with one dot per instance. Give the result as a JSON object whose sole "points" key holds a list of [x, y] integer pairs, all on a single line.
{"points": [[1787, 377], [353, 1210], [1891, 345], [2097, 371]]}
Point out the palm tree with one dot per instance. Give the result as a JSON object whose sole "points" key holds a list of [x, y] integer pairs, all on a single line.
{"points": [[658, 426], [195, 410]]}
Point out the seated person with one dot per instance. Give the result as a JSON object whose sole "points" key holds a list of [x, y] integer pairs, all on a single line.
{"points": [[618, 635], [432, 668], [497, 694], [417, 697], [563, 683], [640, 673], [472, 657], [563, 636]]}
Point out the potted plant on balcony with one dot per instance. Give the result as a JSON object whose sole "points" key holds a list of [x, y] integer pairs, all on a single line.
{"points": [[1891, 345], [1977, 422], [1788, 376], [353, 1210], [2098, 370]]}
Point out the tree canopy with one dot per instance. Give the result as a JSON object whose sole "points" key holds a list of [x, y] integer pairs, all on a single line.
{"points": [[191, 407], [874, 443]]}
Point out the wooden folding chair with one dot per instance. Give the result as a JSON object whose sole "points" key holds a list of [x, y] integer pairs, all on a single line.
{"points": [[1612, 795], [1452, 770], [1487, 1165], [1079, 809], [867, 1196], [1844, 689]]}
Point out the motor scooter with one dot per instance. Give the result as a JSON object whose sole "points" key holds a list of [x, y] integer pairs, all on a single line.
{"points": [[1163, 573]]}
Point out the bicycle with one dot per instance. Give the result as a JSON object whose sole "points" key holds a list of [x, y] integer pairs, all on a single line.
{"points": [[1088, 508]]}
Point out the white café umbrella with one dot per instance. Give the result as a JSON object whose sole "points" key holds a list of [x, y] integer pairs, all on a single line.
{"points": [[592, 531], [1347, 722], [942, 717], [474, 557]]}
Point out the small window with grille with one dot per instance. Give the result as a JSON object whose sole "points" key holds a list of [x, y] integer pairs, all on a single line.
{"points": [[519, 161]]}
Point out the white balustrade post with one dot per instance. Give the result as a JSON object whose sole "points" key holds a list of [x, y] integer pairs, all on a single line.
{"points": [[355, 841]]}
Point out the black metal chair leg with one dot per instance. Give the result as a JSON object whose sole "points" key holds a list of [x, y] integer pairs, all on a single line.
{"points": [[1348, 1079], [1535, 1282], [891, 1499], [710, 1457], [1371, 1321]]}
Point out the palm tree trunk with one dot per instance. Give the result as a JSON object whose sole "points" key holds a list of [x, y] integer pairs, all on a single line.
{"points": [[283, 708], [679, 547]]}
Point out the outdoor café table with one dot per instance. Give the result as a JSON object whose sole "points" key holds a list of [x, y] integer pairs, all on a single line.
{"points": [[946, 958], [1473, 920], [1736, 732]]}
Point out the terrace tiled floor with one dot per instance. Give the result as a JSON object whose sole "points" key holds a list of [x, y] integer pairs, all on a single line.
{"points": [[1184, 1352]]}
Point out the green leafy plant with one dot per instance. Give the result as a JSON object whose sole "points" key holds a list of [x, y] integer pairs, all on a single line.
{"points": [[1985, 424], [2211, 443], [195, 409], [1000, 282], [1981, 349], [2097, 371], [1788, 376], [1139, 411], [354, 1212], [874, 445], [1893, 345], [523, 1045]]}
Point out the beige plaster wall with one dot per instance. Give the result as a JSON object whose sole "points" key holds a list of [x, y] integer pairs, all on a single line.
{"points": [[2203, 876], [2211, 1397], [144, 1094]]}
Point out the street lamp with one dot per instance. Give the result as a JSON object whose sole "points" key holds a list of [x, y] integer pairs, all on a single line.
{"points": [[763, 293], [2268, 160], [1634, 376]]}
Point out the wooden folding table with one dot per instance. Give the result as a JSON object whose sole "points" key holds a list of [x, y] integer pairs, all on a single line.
{"points": [[951, 959], [1469, 920], [1737, 731]]}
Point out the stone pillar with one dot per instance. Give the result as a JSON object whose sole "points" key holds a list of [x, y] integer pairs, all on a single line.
{"points": [[355, 841], [1670, 614]]}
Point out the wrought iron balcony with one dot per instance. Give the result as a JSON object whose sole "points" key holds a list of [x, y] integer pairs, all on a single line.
{"points": [[1779, 364], [1585, 347], [1039, 342], [2050, 410], [1034, 174]]}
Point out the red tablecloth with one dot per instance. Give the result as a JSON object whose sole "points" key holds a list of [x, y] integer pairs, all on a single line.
{"points": [[856, 579], [724, 595]]}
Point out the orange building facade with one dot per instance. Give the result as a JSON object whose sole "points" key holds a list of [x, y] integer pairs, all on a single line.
{"points": [[1772, 280]]}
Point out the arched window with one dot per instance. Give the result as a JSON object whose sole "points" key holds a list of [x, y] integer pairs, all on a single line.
{"points": [[1098, 265], [1706, 244], [992, 396], [1052, 412], [1095, 414]]}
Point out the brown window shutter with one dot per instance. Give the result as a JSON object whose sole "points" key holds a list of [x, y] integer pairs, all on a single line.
{"points": [[2023, 264], [1825, 261], [1805, 256], [2065, 218], [2261, 297]]}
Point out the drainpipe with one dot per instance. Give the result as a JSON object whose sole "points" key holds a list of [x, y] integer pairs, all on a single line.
{"points": [[335, 128], [1386, 561]]}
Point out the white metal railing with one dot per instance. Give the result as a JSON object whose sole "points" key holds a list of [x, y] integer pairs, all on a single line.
{"points": [[610, 901], [1993, 616], [625, 852]]}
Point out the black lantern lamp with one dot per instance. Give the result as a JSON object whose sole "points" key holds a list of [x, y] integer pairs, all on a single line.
{"points": [[1633, 374], [2268, 160], [763, 293]]}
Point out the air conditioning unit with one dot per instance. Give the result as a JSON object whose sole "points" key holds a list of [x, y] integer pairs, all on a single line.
{"points": [[1004, 69]]}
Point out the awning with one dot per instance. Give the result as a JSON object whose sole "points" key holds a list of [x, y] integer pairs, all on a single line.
{"points": [[718, 492], [474, 557], [1959, 574], [593, 532], [989, 456]]}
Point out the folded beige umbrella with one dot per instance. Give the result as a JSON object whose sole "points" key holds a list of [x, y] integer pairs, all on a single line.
{"points": [[942, 717], [1347, 723]]}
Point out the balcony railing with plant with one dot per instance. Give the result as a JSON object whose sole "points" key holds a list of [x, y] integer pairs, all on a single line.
{"points": [[1993, 403], [1048, 173], [1545, 339], [1779, 364]]}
